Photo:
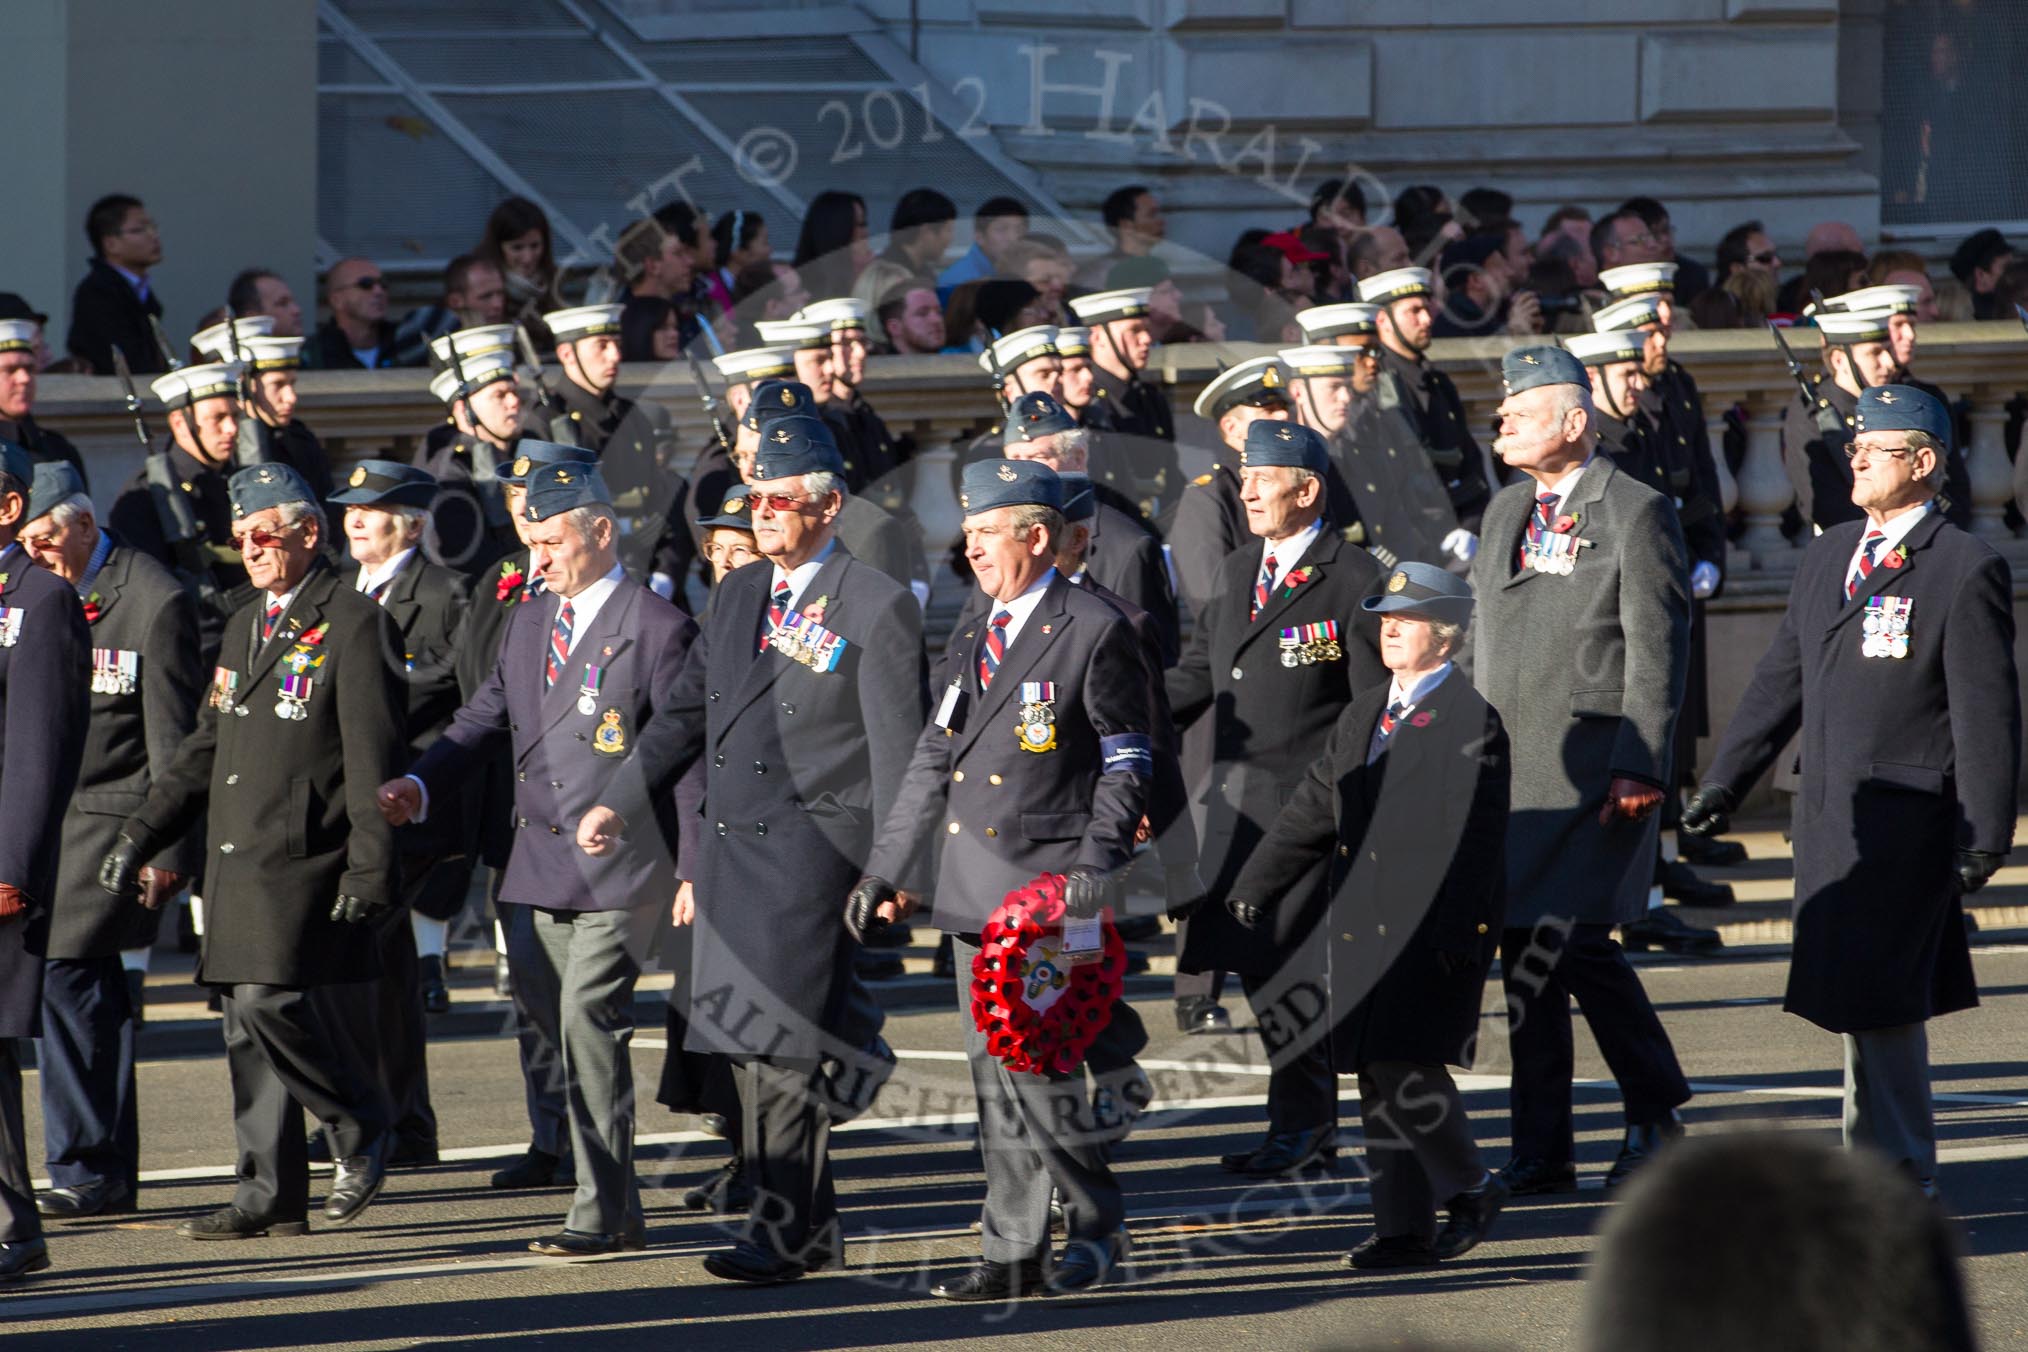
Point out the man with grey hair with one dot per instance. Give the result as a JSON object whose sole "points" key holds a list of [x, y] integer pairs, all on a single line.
{"points": [[302, 721], [145, 683], [1582, 634], [580, 669]]}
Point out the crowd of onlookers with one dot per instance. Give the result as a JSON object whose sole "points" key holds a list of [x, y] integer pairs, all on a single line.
{"points": [[688, 278]]}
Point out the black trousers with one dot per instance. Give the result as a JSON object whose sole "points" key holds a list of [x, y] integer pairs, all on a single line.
{"points": [[1544, 969], [787, 1143], [384, 1028], [282, 1059], [1302, 1089], [19, 1221], [90, 1125]]}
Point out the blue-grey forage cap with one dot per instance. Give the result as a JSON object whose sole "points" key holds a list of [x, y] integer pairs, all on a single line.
{"points": [[797, 444], [1033, 417], [17, 462], [1425, 588], [734, 513], [531, 455], [1009, 483], [386, 483], [778, 399], [1524, 368], [259, 487], [53, 481], [1902, 408], [1271, 443], [555, 489], [1080, 503]]}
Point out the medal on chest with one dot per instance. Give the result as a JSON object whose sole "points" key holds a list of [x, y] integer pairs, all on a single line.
{"points": [[10, 624], [1038, 716], [1886, 626], [1555, 553], [588, 689], [299, 664], [115, 671], [1308, 644], [804, 641], [611, 738], [225, 691]]}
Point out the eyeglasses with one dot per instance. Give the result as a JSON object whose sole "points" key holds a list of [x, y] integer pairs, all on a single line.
{"points": [[775, 502], [1854, 450], [371, 283], [257, 539], [141, 228], [1767, 259]]}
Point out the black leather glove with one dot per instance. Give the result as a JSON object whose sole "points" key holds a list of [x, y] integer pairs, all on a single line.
{"points": [[356, 910], [1248, 913], [1086, 892], [120, 870], [1975, 868], [1709, 811], [862, 902]]}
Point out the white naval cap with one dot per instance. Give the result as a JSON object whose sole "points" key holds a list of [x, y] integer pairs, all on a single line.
{"points": [[1005, 353], [583, 321], [1604, 349], [1253, 381], [1635, 279], [478, 371], [751, 364], [19, 335], [185, 386], [844, 312], [217, 344], [473, 342], [1401, 283], [1853, 326], [1630, 313], [794, 334], [1895, 298], [1321, 322], [1099, 307]]}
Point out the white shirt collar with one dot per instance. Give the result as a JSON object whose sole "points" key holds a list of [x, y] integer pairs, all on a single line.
{"points": [[369, 579], [799, 577], [1288, 553], [1417, 693], [1897, 528], [1022, 606], [585, 606], [1561, 488]]}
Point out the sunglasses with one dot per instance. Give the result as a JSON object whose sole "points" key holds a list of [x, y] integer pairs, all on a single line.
{"points": [[775, 502], [371, 283], [258, 539], [1767, 259]]}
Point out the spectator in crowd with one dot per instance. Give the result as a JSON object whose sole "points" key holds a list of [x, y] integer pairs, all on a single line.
{"points": [[1339, 205], [704, 298], [764, 292], [115, 305], [1571, 254], [2012, 292], [833, 250], [1377, 249], [518, 242], [649, 330], [1953, 302], [1775, 1242], [1134, 218], [1745, 294], [22, 352], [258, 291], [1165, 301], [996, 226], [1005, 306], [920, 230], [1481, 208], [1978, 263], [1831, 272], [1330, 274], [358, 335], [658, 265], [474, 293], [1691, 278], [911, 319], [1479, 292], [1553, 279], [1570, 220], [1621, 238], [1824, 237], [1423, 215], [1900, 267], [1043, 263], [741, 240]]}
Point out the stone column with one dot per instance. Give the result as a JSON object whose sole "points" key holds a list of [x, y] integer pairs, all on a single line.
{"points": [[1993, 480], [1728, 487], [1764, 488]]}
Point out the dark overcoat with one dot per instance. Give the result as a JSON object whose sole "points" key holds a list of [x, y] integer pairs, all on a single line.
{"points": [[429, 604], [1430, 400], [1127, 561]]}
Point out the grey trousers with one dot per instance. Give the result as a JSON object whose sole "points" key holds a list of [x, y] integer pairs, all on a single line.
{"points": [[19, 1221], [1887, 1101], [1419, 1147], [597, 957], [1035, 1133], [537, 1029]]}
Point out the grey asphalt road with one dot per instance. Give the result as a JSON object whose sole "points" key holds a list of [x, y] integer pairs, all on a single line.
{"points": [[440, 1260]]}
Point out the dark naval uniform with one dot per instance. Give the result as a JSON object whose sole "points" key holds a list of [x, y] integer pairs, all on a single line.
{"points": [[1437, 412], [43, 446], [1210, 523], [295, 445], [1135, 454], [633, 443], [145, 685], [210, 563], [1404, 508], [1125, 559], [468, 516], [45, 670]]}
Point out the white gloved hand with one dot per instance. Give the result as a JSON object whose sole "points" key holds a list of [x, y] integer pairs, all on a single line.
{"points": [[1703, 579], [662, 585], [1461, 545]]}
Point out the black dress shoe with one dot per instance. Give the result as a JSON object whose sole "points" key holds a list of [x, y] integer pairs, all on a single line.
{"points": [[535, 1169], [993, 1281], [1086, 1264], [1709, 851], [1640, 1146], [19, 1257], [1290, 1152], [1202, 1014], [413, 1154], [356, 1182], [436, 996], [1471, 1217], [1392, 1251], [943, 963], [137, 996], [569, 1243], [729, 1191], [1138, 929], [754, 1265], [100, 1197], [1681, 883], [1532, 1176], [232, 1223], [1663, 929]]}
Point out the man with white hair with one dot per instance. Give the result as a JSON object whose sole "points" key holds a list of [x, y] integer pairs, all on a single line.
{"points": [[145, 684], [21, 358], [1582, 631]]}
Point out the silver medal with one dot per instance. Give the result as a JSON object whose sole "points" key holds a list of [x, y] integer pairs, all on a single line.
{"points": [[586, 705]]}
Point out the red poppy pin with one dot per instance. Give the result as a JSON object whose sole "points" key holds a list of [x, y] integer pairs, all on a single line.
{"points": [[1564, 525], [1420, 718], [314, 634], [1896, 559], [511, 579], [93, 607], [814, 612], [1296, 578]]}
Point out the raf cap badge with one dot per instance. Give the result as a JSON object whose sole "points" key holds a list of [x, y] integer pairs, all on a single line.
{"points": [[1397, 582], [358, 476], [521, 467], [1006, 473]]}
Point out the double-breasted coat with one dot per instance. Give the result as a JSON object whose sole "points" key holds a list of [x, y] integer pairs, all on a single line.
{"points": [[45, 667], [1587, 671], [799, 767], [1271, 713], [289, 800], [144, 624], [1414, 843], [1210, 523], [1904, 760]]}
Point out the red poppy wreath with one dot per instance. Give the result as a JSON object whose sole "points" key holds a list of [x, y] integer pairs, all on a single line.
{"points": [[1038, 1013]]}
